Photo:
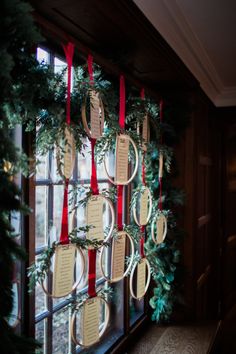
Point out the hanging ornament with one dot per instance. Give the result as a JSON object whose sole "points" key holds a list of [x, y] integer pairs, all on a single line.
{"points": [[159, 224], [123, 142], [145, 210], [90, 308], [118, 245], [65, 253]]}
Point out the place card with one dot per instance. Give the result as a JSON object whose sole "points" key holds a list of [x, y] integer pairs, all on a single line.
{"points": [[161, 222], [122, 150], [95, 218], [161, 165], [141, 278], [145, 134], [95, 115], [69, 154], [118, 257], [63, 277], [143, 207], [90, 321]]}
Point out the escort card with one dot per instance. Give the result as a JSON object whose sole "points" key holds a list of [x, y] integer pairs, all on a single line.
{"points": [[161, 165], [143, 207], [160, 228], [145, 132], [118, 256], [90, 323], [95, 115], [122, 150], [141, 278], [64, 264], [69, 155], [95, 218]]}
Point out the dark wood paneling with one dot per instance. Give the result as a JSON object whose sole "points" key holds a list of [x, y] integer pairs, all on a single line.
{"points": [[118, 33]]}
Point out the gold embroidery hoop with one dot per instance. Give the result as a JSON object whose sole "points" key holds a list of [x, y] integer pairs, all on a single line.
{"points": [[155, 220], [78, 249], [136, 163], [84, 117], [132, 276], [105, 325], [149, 211], [130, 263]]}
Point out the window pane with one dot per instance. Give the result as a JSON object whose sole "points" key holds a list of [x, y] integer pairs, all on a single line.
{"points": [[60, 336], [41, 216], [40, 335], [42, 167], [42, 55], [40, 304]]}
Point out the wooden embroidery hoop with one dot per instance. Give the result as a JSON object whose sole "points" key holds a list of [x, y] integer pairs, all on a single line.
{"points": [[132, 276], [149, 211], [111, 207], [135, 168], [78, 249], [105, 325], [130, 263], [158, 216], [84, 117], [70, 143]]}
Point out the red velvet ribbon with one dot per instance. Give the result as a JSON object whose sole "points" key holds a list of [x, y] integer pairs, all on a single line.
{"points": [[64, 237], [92, 253], [69, 53], [143, 227], [120, 188], [94, 181], [160, 178], [90, 68], [122, 102]]}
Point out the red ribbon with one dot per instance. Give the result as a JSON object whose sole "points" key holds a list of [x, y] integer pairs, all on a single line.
{"points": [[94, 181], [122, 103], [92, 253], [120, 188], [160, 193], [160, 178], [64, 237], [69, 53], [142, 227], [90, 68], [92, 272]]}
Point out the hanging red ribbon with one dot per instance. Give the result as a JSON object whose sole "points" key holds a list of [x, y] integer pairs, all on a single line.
{"points": [[92, 253], [64, 237], [69, 53], [122, 102], [90, 68], [142, 227], [161, 139], [120, 188]]}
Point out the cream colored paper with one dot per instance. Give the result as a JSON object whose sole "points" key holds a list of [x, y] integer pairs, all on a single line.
{"points": [[68, 154], [141, 278], [90, 324], [122, 150], [145, 132], [63, 277], [95, 218], [143, 207], [95, 112], [161, 165], [118, 256], [160, 228]]}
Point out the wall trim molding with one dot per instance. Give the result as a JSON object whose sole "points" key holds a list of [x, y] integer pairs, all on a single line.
{"points": [[172, 24]]}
